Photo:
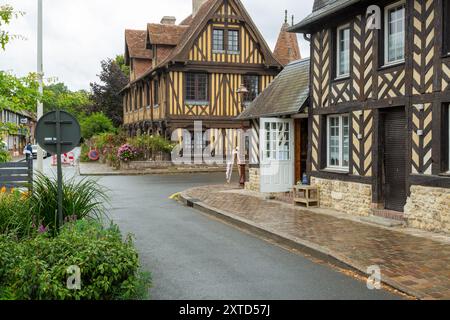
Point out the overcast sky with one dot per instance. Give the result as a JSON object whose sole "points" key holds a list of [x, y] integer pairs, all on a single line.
{"points": [[78, 34]]}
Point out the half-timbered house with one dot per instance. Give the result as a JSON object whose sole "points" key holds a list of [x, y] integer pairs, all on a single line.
{"points": [[379, 116], [196, 70]]}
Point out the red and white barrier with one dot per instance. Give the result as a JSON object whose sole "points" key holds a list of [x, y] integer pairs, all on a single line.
{"points": [[66, 159]]}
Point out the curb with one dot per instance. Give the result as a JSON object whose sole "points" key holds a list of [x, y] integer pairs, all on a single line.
{"points": [[301, 245]]}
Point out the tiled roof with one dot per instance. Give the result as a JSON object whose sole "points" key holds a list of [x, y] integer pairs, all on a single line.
{"points": [[287, 49], [319, 4], [322, 9], [165, 34], [135, 41], [195, 24], [185, 33], [286, 94], [186, 21]]}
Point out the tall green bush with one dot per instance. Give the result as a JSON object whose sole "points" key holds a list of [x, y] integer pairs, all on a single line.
{"points": [[95, 124]]}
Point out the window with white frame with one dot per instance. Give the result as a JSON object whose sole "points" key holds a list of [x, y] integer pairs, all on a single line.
{"points": [[343, 51], [394, 35], [278, 141], [338, 142]]}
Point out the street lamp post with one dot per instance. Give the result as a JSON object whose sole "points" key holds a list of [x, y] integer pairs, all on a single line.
{"points": [[40, 73], [242, 91]]}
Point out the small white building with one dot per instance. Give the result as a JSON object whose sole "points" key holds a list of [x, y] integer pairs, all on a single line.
{"points": [[279, 125]]}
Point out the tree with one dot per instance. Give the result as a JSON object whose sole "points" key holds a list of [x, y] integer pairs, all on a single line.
{"points": [[96, 124], [7, 13], [18, 93], [120, 60], [58, 96], [106, 94]]}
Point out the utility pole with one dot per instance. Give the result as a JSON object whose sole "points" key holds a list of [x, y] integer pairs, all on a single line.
{"points": [[40, 72]]}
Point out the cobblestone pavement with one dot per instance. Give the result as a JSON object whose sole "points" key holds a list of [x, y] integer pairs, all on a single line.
{"points": [[417, 265]]}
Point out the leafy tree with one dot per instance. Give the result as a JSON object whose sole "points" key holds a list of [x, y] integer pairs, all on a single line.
{"points": [[58, 96], [18, 93], [105, 95], [120, 60], [95, 124], [7, 13]]}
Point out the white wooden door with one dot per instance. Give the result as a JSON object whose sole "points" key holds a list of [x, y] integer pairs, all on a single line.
{"points": [[277, 155]]}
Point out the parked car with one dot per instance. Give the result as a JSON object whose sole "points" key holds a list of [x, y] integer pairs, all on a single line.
{"points": [[35, 152]]}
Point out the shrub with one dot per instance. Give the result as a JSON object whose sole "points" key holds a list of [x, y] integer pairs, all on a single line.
{"points": [[82, 199], [96, 124], [4, 154], [84, 156], [151, 145], [15, 217], [128, 153], [36, 268]]}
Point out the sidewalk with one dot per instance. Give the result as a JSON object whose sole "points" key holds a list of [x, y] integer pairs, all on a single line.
{"points": [[415, 262]]}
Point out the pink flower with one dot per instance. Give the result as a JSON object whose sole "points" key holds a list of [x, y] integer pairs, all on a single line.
{"points": [[42, 229]]}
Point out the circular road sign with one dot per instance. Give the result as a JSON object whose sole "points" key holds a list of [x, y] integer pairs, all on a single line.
{"points": [[48, 136]]}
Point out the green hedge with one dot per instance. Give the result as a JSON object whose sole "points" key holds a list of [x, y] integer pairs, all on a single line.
{"points": [[36, 268]]}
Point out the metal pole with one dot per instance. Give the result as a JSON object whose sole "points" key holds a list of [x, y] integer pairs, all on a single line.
{"points": [[40, 72], [59, 167]]}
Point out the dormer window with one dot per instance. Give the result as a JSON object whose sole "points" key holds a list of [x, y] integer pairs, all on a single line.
{"points": [[225, 41]]}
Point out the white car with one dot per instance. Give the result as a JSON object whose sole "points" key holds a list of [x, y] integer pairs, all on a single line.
{"points": [[35, 151]]}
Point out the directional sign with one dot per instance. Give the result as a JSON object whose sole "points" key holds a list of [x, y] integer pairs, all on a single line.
{"points": [[47, 132]]}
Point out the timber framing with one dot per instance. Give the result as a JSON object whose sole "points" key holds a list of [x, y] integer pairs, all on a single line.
{"points": [[420, 85], [162, 111]]}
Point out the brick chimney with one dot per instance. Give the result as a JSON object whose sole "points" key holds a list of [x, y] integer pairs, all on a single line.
{"points": [[168, 20], [196, 5]]}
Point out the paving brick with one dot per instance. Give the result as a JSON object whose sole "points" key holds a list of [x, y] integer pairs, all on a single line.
{"points": [[418, 263]]}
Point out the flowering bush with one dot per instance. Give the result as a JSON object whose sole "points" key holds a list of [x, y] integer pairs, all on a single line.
{"points": [[128, 153]]}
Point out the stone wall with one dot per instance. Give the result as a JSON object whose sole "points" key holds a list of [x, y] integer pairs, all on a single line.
{"points": [[350, 197], [428, 209], [143, 165], [253, 183], [148, 165]]}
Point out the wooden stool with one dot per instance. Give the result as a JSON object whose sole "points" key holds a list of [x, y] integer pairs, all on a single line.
{"points": [[306, 195]]}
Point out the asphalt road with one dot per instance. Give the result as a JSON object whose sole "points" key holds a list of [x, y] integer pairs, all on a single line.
{"points": [[194, 257]]}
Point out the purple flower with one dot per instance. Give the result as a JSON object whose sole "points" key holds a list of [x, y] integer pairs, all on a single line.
{"points": [[42, 229], [127, 152]]}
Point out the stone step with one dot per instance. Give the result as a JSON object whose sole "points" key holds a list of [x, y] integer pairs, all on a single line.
{"points": [[383, 221], [389, 214]]}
